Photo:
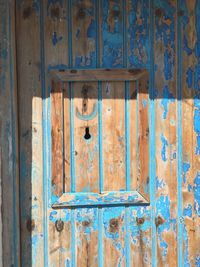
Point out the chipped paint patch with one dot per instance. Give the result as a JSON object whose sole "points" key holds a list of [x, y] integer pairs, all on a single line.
{"points": [[164, 147], [167, 98], [197, 194]]}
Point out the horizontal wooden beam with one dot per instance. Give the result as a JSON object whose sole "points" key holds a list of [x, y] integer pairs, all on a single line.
{"points": [[99, 75], [104, 199]]}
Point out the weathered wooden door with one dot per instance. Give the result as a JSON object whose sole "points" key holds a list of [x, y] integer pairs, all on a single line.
{"points": [[99, 164], [108, 175]]}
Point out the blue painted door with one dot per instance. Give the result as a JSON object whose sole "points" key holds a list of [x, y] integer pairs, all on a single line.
{"points": [[109, 168]]}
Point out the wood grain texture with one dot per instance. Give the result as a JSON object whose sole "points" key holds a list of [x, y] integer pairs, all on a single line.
{"points": [[190, 132], [10, 235], [165, 132], [143, 137], [140, 236], [114, 236], [133, 133], [60, 241], [86, 137], [138, 30], [77, 75], [66, 129], [55, 32], [113, 106], [87, 237], [84, 33], [30, 132], [57, 133]]}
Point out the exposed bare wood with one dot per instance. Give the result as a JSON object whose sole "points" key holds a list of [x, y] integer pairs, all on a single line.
{"points": [[99, 75]]}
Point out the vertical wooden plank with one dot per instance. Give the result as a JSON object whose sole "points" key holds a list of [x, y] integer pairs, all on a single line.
{"points": [[113, 108], [138, 55], [10, 239], [67, 136], [111, 29], [57, 138], [114, 236], [55, 32], [55, 42], [60, 241], [133, 134], [86, 136], [165, 126], [84, 33], [30, 134], [190, 36], [140, 233], [84, 41], [87, 237], [143, 137], [30, 129], [138, 33]]}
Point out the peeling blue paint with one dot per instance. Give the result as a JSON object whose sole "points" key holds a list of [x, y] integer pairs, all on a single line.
{"points": [[197, 194], [163, 210], [56, 39], [186, 248], [188, 211], [138, 23], [160, 184], [167, 98], [186, 167], [189, 77], [197, 128], [164, 147], [112, 36]]}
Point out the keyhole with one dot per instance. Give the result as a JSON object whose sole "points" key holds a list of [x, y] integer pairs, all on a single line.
{"points": [[87, 133]]}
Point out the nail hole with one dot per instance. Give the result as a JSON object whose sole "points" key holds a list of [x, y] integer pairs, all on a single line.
{"points": [[87, 135]]}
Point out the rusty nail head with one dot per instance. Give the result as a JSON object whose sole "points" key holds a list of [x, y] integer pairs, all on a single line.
{"points": [[59, 225], [140, 221], [159, 220]]}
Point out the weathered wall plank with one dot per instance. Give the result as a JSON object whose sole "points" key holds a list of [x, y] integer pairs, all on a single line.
{"points": [[165, 39], [9, 138], [189, 75], [30, 132]]}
